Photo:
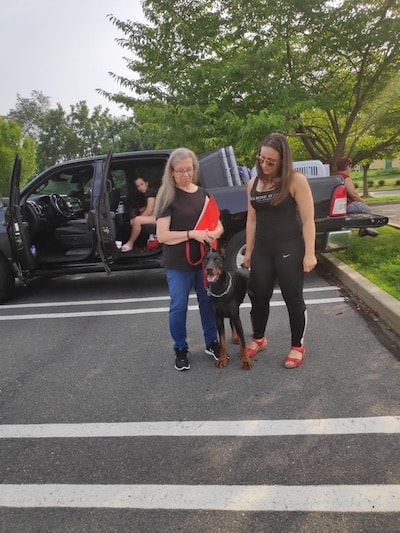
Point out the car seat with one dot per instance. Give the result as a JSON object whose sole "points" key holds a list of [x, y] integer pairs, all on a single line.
{"points": [[78, 233]]}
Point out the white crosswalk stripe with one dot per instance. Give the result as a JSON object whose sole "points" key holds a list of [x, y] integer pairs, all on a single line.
{"points": [[323, 498], [220, 428]]}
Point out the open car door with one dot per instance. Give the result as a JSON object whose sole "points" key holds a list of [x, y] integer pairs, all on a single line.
{"points": [[23, 257], [102, 216]]}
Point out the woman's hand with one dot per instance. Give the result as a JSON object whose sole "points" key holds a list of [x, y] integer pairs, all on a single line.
{"points": [[203, 235], [208, 236], [246, 260], [309, 262]]}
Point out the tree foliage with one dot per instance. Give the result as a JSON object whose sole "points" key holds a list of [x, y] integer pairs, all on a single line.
{"points": [[29, 112], [62, 135], [207, 73], [78, 133], [81, 133], [12, 141]]}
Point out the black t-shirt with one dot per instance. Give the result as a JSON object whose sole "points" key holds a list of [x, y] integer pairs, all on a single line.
{"points": [[184, 212], [150, 193], [137, 200]]}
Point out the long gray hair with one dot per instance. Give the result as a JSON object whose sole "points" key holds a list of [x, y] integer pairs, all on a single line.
{"points": [[166, 193]]}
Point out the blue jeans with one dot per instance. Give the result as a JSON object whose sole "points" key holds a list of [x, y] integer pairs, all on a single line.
{"points": [[358, 207], [180, 283]]}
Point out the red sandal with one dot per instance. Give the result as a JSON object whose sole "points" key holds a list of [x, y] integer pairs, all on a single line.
{"points": [[261, 344], [295, 362]]}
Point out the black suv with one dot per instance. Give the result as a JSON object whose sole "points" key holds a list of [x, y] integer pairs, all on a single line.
{"points": [[74, 216]]}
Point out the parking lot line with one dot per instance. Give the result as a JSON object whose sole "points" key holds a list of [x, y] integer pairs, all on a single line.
{"points": [[123, 301], [305, 498], [142, 310], [207, 428]]}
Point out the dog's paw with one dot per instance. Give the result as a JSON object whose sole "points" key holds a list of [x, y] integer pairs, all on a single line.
{"points": [[247, 364], [221, 363]]}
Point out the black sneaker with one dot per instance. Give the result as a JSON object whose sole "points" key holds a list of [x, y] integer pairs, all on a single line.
{"points": [[181, 360], [213, 349]]}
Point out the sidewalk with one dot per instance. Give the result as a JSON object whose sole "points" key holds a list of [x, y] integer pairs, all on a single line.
{"points": [[385, 305], [391, 210]]}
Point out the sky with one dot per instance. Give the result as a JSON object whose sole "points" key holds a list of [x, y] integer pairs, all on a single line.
{"points": [[63, 48]]}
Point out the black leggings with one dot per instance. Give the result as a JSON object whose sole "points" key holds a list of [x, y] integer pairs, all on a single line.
{"points": [[282, 261]]}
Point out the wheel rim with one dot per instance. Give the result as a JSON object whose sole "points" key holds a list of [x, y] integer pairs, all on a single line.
{"points": [[239, 258]]}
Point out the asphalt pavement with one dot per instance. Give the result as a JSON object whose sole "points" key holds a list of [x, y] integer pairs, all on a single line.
{"points": [[391, 210], [384, 305]]}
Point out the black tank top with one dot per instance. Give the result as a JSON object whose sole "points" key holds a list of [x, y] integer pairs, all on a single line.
{"points": [[274, 221]]}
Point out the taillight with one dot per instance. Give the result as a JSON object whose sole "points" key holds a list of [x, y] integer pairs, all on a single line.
{"points": [[338, 202]]}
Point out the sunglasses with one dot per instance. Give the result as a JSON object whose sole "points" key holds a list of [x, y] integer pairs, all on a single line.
{"points": [[267, 161]]}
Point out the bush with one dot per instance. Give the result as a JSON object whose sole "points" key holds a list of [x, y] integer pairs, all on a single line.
{"points": [[397, 182], [356, 185], [381, 183], [370, 183]]}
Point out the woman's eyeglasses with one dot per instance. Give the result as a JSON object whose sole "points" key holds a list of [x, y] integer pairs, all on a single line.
{"points": [[182, 171], [266, 161]]}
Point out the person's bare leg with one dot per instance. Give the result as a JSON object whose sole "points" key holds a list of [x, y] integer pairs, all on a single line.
{"points": [[136, 224]]}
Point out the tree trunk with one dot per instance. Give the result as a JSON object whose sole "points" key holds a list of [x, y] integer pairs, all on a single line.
{"points": [[365, 180]]}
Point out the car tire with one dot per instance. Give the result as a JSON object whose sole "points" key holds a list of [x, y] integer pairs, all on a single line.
{"points": [[7, 279], [235, 250]]}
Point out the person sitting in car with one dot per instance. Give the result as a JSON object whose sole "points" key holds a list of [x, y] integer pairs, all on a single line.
{"points": [[143, 215], [355, 204]]}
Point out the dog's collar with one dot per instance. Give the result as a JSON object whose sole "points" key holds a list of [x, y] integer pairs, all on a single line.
{"points": [[210, 293]]}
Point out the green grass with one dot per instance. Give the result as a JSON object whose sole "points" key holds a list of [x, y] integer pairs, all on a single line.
{"points": [[384, 199], [391, 177], [377, 259]]}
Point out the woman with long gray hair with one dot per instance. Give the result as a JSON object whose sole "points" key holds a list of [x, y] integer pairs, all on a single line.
{"points": [[179, 203]]}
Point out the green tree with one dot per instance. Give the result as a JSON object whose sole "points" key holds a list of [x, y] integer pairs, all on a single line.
{"points": [[88, 133], [62, 135], [128, 136], [12, 142], [355, 84], [82, 133], [207, 73], [29, 112], [52, 138]]}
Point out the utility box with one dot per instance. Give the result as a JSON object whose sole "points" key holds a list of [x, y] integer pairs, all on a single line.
{"points": [[312, 169], [219, 168]]}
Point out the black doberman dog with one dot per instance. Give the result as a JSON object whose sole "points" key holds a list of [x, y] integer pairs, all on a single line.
{"points": [[227, 290]]}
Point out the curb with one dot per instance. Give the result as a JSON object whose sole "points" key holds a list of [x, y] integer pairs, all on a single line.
{"points": [[385, 305]]}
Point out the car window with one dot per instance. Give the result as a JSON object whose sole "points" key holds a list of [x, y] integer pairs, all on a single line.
{"points": [[67, 182], [119, 180]]}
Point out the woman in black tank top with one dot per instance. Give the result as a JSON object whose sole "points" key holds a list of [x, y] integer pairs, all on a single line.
{"points": [[280, 243]]}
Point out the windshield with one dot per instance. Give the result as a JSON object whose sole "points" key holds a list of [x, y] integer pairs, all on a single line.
{"points": [[70, 182]]}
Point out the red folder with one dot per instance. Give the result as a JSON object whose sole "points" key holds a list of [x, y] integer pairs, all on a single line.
{"points": [[209, 217]]}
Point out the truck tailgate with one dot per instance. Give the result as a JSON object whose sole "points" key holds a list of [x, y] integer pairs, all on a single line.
{"points": [[365, 220]]}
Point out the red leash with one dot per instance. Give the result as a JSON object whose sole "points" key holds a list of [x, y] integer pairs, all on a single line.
{"points": [[196, 263]]}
